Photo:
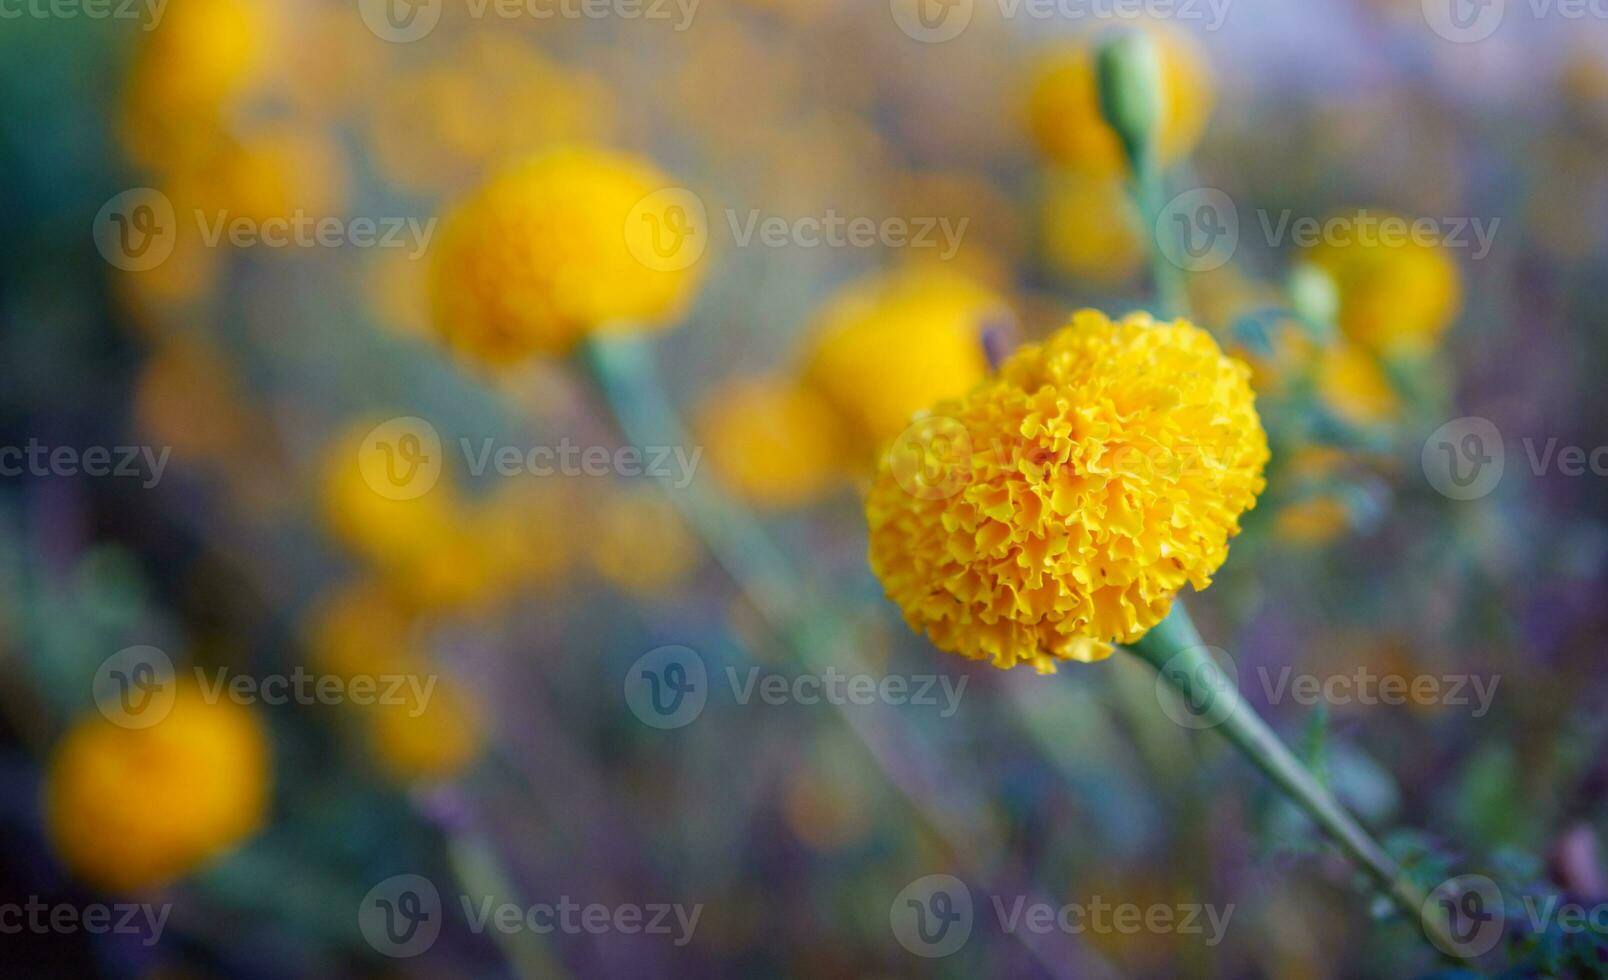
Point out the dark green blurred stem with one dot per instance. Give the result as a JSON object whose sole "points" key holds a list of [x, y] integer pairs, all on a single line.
{"points": [[622, 366], [1149, 196], [1174, 648]]}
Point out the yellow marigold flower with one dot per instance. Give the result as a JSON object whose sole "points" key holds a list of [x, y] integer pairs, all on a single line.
{"points": [[1064, 105], [639, 542], [189, 72], [770, 440], [1091, 229], [1061, 505], [1313, 521], [431, 742], [135, 808], [393, 529], [269, 172], [357, 629], [558, 246], [1354, 386], [891, 345], [1398, 292]]}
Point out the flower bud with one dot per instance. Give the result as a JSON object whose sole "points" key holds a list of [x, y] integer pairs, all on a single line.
{"points": [[1128, 71]]}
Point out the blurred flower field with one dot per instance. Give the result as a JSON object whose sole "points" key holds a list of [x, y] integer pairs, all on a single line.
{"points": [[801, 488]]}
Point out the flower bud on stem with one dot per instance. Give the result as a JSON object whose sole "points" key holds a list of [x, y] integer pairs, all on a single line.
{"points": [[1128, 76]]}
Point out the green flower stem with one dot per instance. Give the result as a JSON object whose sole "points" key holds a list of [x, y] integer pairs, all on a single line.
{"points": [[1149, 196], [623, 368], [1174, 648]]}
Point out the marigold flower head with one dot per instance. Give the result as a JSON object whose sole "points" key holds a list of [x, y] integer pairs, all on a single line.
{"points": [[891, 345], [772, 441], [1354, 386], [563, 244], [131, 808], [1058, 507], [639, 542], [1398, 292], [1064, 105], [1091, 229]]}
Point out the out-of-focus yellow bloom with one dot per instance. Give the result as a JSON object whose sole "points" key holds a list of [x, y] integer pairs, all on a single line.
{"points": [[432, 743], [1398, 293], [396, 531], [438, 127], [184, 399], [1071, 496], [269, 172], [892, 345], [1091, 229], [771, 441], [357, 629], [202, 58], [1354, 386], [522, 533], [1314, 521], [1064, 105], [135, 808], [566, 243], [639, 542]]}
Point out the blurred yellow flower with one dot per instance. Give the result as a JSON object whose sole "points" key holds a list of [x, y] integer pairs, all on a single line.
{"points": [[357, 628], [891, 345], [1398, 292], [1060, 506], [201, 59], [1064, 106], [1314, 521], [431, 741], [135, 808], [439, 127], [1091, 229], [568, 242], [1353, 384], [273, 171], [639, 542], [771, 441], [395, 530]]}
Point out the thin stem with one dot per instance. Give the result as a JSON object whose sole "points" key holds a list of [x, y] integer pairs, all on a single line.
{"points": [[1148, 195], [1174, 648]]}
